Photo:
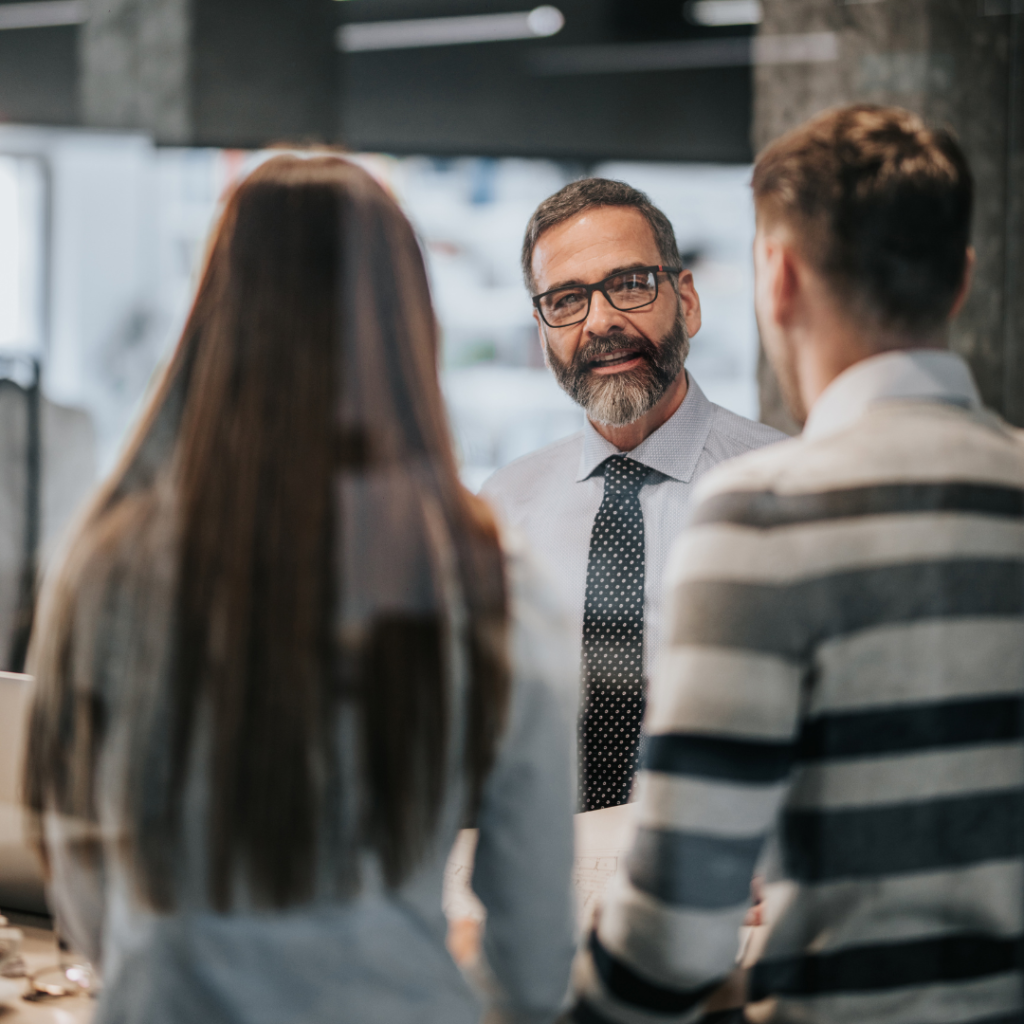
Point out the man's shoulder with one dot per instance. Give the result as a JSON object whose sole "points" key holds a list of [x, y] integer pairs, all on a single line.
{"points": [[518, 480], [732, 435], [798, 464], [895, 442], [754, 469]]}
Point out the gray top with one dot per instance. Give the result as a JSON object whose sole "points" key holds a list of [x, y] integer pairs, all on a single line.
{"points": [[380, 957], [552, 496]]}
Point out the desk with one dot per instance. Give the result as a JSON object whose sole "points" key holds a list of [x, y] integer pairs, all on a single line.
{"points": [[39, 950]]}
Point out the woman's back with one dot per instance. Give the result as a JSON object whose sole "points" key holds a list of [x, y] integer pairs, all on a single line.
{"points": [[380, 955], [274, 664]]}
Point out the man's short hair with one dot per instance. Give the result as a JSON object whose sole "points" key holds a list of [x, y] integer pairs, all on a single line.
{"points": [[585, 194], [881, 207]]}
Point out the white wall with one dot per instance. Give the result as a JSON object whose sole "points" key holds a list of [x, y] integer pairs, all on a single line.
{"points": [[103, 324]]}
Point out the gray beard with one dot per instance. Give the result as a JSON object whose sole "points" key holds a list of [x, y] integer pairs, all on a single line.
{"points": [[619, 399]]}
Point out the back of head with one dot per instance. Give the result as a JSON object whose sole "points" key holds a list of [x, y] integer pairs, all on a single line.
{"points": [[881, 206], [586, 194], [295, 464]]}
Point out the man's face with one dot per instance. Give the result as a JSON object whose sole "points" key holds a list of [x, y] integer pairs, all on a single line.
{"points": [[616, 364]]}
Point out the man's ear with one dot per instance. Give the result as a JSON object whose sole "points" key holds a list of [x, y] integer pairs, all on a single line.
{"points": [[782, 268], [788, 282], [689, 301], [540, 333], [970, 260]]}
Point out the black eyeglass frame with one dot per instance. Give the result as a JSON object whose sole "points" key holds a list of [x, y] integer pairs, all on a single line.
{"points": [[602, 287]]}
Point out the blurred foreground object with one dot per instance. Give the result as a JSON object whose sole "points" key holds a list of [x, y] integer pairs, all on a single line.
{"points": [[282, 563]]}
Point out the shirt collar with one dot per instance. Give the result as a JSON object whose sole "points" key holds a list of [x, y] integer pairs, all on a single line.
{"points": [[673, 449], [920, 374]]}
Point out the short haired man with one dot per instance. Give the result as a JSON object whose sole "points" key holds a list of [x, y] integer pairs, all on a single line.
{"points": [[615, 312], [845, 661]]}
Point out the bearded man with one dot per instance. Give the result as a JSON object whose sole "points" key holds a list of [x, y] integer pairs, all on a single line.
{"points": [[615, 312]]}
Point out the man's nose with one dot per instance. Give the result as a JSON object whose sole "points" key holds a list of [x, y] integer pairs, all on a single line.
{"points": [[603, 317]]}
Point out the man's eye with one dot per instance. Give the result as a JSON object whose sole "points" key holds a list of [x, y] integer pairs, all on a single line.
{"points": [[566, 300]]}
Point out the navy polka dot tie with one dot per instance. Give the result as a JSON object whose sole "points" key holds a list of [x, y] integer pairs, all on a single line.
{"points": [[613, 641]]}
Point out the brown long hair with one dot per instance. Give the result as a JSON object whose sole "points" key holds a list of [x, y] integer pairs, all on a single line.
{"points": [[289, 516]]}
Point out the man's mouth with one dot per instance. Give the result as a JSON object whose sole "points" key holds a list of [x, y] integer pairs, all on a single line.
{"points": [[613, 362]]}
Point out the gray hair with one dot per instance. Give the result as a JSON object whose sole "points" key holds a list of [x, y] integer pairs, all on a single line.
{"points": [[582, 195]]}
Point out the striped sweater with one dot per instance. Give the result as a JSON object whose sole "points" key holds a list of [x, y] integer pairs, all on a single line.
{"points": [[840, 707]]}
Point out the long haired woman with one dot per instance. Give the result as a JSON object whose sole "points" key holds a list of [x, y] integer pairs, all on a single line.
{"points": [[285, 658]]}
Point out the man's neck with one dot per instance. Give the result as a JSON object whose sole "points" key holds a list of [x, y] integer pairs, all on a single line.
{"points": [[831, 355], [627, 437]]}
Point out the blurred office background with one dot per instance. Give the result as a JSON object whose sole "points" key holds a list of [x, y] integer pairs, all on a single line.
{"points": [[122, 122], [129, 221]]}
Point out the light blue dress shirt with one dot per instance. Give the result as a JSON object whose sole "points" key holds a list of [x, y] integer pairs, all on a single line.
{"points": [[551, 497]]}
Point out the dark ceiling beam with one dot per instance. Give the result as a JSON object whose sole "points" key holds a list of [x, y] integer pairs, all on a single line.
{"points": [[628, 79], [565, 96]]}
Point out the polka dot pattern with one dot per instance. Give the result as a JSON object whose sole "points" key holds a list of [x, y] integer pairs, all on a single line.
{"points": [[613, 641]]}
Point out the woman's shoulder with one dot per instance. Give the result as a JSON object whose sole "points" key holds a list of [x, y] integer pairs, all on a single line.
{"points": [[108, 590]]}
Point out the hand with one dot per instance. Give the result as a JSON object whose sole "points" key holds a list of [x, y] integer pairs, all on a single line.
{"points": [[755, 915], [464, 939]]}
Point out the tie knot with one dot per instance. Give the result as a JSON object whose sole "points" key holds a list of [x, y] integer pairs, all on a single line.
{"points": [[623, 475]]}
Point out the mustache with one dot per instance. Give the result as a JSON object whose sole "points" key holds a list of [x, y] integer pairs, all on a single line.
{"points": [[602, 345], [621, 397]]}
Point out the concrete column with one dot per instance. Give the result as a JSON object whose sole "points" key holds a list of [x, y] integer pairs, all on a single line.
{"points": [[136, 65], [959, 63], [237, 73]]}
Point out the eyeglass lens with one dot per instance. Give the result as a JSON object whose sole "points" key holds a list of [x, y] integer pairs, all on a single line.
{"points": [[625, 291]]}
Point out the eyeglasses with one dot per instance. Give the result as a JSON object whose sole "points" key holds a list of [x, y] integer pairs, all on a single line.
{"points": [[631, 289]]}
